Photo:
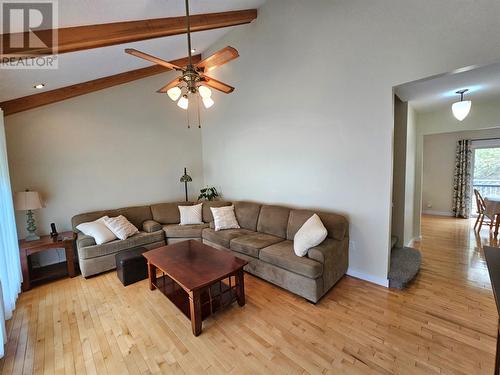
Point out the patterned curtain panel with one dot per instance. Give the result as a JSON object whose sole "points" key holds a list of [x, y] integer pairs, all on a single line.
{"points": [[462, 179]]}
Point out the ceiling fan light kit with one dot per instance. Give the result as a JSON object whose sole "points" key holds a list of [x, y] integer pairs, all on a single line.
{"points": [[193, 82], [462, 108]]}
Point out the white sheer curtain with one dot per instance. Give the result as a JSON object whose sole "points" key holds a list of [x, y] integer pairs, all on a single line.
{"points": [[10, 266]]}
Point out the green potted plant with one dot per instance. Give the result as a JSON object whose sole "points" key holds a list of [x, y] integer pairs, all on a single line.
{"points": [[208, 193]]}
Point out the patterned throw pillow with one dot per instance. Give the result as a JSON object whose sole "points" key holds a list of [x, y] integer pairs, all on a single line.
{"points": [[121, 227], [224, 218], [191, 214]]}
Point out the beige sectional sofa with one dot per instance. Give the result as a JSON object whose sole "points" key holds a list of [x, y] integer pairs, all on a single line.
{"points": [[265, 240]]}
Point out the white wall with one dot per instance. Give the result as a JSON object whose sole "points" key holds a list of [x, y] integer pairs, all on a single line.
{"points": [[117, 147], [439, 166], [311, 121]]}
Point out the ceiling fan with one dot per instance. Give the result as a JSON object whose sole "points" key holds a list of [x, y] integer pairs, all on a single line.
{"points": [[193, 80]]}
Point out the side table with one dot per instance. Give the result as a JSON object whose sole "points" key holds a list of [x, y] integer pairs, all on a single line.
{"points": [[27, 248]]}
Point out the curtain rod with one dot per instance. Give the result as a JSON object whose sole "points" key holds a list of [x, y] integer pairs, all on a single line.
{"points": [[486, 139]]}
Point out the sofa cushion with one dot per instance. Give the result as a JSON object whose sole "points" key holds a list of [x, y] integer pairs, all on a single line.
{"points": [[168, 213], [273, 220], [82, 240], [336, 225], [139, 239], [136, 215], [251, 244], [151, 226], [282, 255], [184, 231], [207, 212], [223, 237], [247, 214]]}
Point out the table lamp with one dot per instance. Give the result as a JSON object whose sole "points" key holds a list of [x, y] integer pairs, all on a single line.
{"points": [[28, 201], [186, 178]]}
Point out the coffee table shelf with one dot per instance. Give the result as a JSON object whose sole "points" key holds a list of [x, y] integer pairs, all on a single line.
{"points": [[213, 298]]}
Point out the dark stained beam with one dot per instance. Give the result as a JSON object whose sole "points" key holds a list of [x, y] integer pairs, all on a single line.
{"points": [[37, 100], [79, 38]]}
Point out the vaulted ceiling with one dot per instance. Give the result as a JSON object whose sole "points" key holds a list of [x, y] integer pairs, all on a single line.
{"points": [[90, 64]]}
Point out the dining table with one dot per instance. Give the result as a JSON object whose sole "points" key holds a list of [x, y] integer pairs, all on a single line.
{"points": [[492, 208]]}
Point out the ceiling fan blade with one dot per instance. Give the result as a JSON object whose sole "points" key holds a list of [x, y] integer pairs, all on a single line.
{"points": [[217, 59], [218, 85], [156, 60], [169, 85]]}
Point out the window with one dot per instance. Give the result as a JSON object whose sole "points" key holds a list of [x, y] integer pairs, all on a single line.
{"points": [[485, 168]]}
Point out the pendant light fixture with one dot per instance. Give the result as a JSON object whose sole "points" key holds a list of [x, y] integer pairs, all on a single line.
{"points": [[462, 108]]}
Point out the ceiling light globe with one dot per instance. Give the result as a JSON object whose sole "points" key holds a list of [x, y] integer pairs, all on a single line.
{"points": [[461, 109], [174, 93], [183, 102], [205, 92], [208, 102]]}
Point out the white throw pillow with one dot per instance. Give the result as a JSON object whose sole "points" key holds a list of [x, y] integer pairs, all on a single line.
{"points": [[191, 214], [98, 230], [310, 234], [121, 227], [224, 218]]}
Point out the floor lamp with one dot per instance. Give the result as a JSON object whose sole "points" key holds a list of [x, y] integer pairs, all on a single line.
{"points": [[186, 178]]}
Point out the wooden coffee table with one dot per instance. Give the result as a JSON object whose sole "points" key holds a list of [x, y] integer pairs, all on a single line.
{"points": [[197, 278]]}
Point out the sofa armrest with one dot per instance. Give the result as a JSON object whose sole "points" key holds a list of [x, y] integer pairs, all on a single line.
{"points": [[151, 226], [334, 255], [83, 240]]}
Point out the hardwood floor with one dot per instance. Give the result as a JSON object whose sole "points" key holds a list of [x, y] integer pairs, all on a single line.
{"points": [[445, 322]]}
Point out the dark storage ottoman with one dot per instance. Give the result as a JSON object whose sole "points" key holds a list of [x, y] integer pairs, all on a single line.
{"points": [[131, 266]]}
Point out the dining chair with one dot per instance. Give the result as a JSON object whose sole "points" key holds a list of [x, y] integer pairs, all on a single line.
{"points": [[481, 213]]}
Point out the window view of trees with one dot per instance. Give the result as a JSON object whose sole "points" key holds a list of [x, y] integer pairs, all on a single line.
{"points": [[487, 164], [486, 172]]}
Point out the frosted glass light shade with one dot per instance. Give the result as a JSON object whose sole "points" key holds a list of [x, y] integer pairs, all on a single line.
{"points": [[205, 92], [183, 102], [174, 93], [461, 109], [208, 102], [27, 200]]}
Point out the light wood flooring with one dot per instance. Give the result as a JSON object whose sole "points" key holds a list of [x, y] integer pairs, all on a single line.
{"points": [[444, 323]]}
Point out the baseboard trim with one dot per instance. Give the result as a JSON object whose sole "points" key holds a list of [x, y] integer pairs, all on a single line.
{"points": [[366, 277], [413, 240], [438, 213]]}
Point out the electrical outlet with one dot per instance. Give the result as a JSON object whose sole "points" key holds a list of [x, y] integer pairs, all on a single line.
{"points": [[429, 204]]}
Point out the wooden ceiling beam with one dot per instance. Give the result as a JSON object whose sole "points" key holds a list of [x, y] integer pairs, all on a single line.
{"points": [[25, 103], [79, 38]]}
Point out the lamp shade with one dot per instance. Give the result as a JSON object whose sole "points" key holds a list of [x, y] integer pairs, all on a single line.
{"points": [[185, 177], [27, 200], [174, 93], [183, 102], [208, 102], [461, 109]]}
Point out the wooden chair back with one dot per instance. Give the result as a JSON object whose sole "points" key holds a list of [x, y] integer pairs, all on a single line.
{"points": [[481, 207]]}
